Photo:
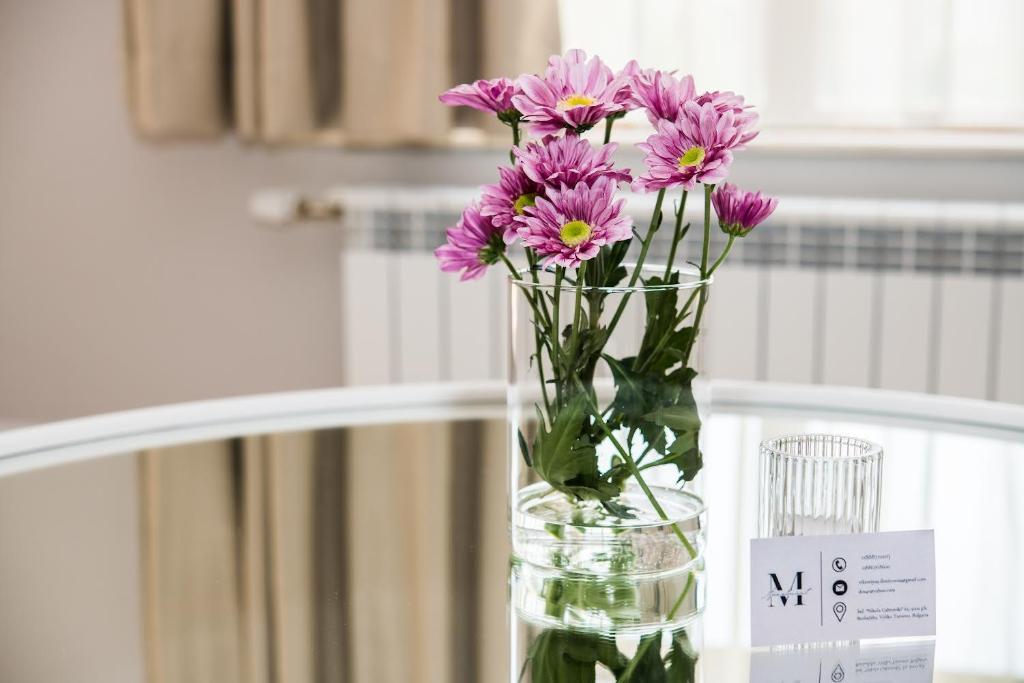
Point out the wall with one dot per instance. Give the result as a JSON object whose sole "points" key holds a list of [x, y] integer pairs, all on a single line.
{"points": [[131, 275], [129, 272]]}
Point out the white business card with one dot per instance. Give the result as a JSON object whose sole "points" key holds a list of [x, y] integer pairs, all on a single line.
{"points": [[827, 588], [909, 662]]}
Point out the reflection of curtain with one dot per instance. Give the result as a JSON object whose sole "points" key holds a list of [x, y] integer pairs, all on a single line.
{"points": [[365, 554], [358, 72]]}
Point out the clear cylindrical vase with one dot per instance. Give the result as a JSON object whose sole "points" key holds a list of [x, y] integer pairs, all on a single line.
{"points": [[605, 407], [818, 484]]}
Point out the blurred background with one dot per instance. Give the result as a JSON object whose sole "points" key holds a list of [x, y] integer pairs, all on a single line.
{"points": [[212, 198], [155, 157]]}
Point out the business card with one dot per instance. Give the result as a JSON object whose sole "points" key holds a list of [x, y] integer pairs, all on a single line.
{"points": [[908, 662], [845, 587]]}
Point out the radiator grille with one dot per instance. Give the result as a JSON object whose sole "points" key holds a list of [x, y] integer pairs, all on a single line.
{"points": [[898, 295], [868, 235]]}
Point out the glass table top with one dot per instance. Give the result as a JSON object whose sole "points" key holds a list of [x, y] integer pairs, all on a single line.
{"points": [[360, 535]]}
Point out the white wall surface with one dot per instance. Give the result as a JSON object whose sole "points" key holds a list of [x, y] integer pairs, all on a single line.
{"points": [[129, 273]]}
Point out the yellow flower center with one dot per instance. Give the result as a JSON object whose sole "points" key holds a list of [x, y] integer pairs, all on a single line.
{"points": [[523, 201], [575, 100], [692, 157], [574, 233]]}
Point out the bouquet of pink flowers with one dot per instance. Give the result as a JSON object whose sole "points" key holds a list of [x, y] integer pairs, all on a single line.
{"points": [[558, 202]]}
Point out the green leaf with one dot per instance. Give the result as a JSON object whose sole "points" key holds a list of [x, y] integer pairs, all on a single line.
{"points": [[580, 350], [565, 458], [646, 666], [618, 509], [662, 345], [606, 270], [556, 530], [661, 302], [650, 402], [615, 596], [551, 661], [682, 660], [671, 352], [654, 435], [617, 275], [676, 417], [560, 656], [524, 448], [685, 455], [629, 396]]}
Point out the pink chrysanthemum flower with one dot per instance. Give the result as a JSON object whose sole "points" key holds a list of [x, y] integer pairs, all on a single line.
{"points": [[739, 211], [568, 160], [730, 101], [505, 202], [473, 245], [625, 95], [571, 225], [696, 148], [661, 94], [493, 96], [575, 93]]}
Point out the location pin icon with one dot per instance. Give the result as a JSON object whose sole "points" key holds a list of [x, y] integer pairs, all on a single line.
{"points": [[840, 609]]}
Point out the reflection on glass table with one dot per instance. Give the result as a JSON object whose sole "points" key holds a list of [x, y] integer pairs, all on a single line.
{"points": [[360, 535]]}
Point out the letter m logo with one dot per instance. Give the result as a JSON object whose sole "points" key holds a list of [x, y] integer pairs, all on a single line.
{"points": [[796, 590]]}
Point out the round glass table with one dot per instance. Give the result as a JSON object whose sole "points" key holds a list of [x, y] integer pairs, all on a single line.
{"points": [[360, 535]]}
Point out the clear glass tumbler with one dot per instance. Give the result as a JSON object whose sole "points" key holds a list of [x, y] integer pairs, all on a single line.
{"points": [[816, 484]]}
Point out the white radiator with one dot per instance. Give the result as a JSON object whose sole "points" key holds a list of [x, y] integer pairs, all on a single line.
{"points": [[919, 296]]}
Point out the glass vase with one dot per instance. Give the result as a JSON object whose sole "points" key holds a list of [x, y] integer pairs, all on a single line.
{"points": [[818, 484], [605, 407]]}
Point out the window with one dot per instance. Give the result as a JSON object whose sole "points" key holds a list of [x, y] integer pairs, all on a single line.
{"points": [[828, 64]]}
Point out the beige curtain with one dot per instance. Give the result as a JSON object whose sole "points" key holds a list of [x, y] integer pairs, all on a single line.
{"points": [[353, 72], [365, 554]]}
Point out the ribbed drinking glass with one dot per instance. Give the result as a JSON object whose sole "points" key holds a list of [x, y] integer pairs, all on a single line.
{"points": [[816, 484]]}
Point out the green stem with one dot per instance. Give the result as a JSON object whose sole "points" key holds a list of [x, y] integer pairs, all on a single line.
{"points": [[515, 142], [531, 259], [644, 646], [704, 273], [543, 318], [556, 351], [643, 455], [646, 466], [682, 596], [522, 671], [579, 298], [536, 332], [631, 464], [676, 236], [721, 257], [707, 232], [594, 307], [577, 312], [701, 291], [686, 308], [651, 229], [608, 123], [512, 269]]}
